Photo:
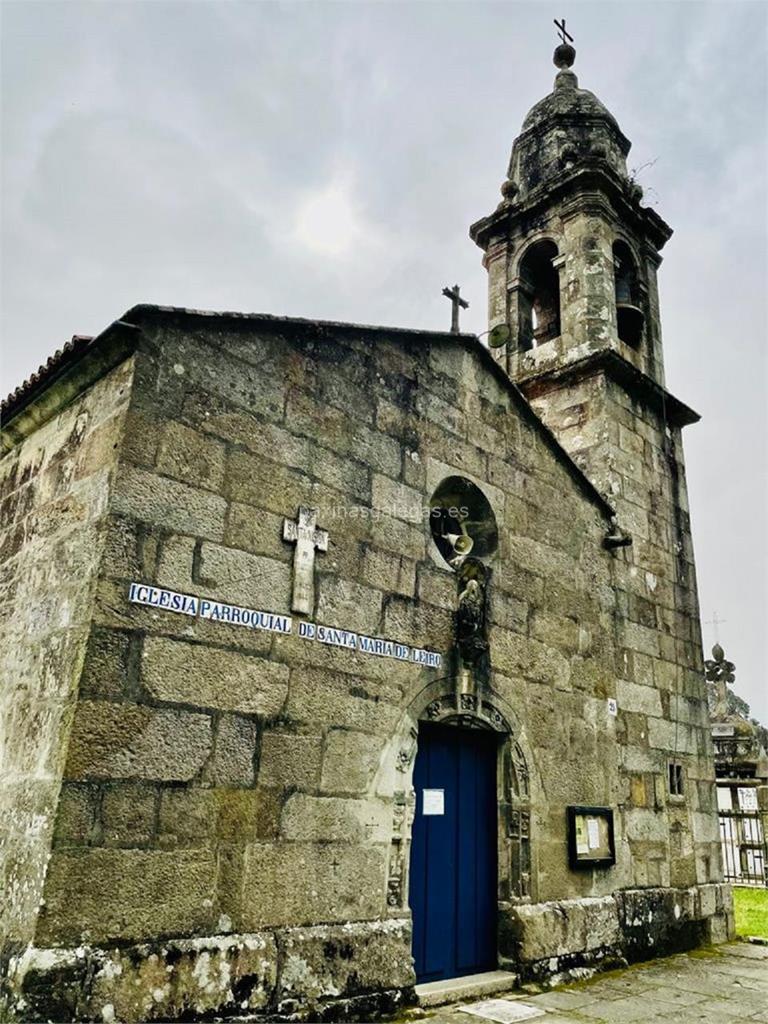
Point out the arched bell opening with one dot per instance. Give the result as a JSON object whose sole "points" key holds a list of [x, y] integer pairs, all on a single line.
{"points": [[630, 318], [539, 299]]}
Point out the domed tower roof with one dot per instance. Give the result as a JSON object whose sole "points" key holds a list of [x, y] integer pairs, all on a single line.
{"points": [[567, 128], [566, 99]]}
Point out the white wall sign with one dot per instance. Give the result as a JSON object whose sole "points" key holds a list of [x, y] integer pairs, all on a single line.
{"points": [[234, 615], [747, 798], [722, 730], [433, 802]]}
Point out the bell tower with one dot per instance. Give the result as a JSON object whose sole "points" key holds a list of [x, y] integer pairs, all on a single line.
{"points": [[572, 256]]}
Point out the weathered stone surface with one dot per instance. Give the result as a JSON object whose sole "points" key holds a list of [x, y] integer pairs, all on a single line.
{"points": [[411, 622], [553, 929], [245, 579], [128, 814], [186, 817], [124, 741], [322, 818], [349, 605], [54, 487], [388, 572], [344, 961], [76, 815], [98, 895], [234, 751], [211, 678], [643, 699], [292, 883], [258, 532], [208, 975], [518, 656], [350, 761], [323, 697], [289, 760], [192, 457], [246, 815], [157, 499], [106, 664]]}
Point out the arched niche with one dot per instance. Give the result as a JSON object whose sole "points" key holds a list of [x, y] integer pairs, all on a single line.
{"points": [[629, 313], [539, 295]]}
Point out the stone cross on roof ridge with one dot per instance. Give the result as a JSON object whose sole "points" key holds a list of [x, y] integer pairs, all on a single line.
{"points": [[454, 294]]}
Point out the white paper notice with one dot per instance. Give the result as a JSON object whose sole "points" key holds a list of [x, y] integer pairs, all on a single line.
{"points": [[434, 801], [593, 833], [747, 798]]}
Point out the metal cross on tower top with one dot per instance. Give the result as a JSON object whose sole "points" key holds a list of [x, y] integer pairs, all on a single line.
{"points": [[455, 297], [565, 36]]}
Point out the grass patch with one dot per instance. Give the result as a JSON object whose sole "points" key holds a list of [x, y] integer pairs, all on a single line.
{"points": [[751, 906]]}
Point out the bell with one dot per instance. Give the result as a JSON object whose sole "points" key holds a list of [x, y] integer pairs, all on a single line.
{"points": [[629, 321]]}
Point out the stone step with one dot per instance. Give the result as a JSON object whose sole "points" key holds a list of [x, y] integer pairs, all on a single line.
{"points": [[470, 986]]}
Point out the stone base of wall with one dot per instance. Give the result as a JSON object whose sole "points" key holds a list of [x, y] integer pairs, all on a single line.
{"points": [[353, 971], [552, 942], [322, 973]]}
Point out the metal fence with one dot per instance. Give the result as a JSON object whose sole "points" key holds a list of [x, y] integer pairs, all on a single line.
{"points": [[743, 843]]}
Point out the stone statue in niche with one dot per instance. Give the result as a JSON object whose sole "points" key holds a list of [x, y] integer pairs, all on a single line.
{"points": [[473, 578]]}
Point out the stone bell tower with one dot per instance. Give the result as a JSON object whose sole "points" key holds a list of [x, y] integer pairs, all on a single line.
{"points": [[572, 256]]}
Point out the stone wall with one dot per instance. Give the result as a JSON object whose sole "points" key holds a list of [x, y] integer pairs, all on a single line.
{"points": [[233, 795], [566, 939], [633, 455], [55, 490]]}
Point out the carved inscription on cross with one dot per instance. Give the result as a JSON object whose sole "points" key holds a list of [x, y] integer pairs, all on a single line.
{"points": [[305, 534], [456, 299]]}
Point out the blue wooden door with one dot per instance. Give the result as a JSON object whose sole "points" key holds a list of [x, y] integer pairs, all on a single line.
{"points": [[453, 853]]}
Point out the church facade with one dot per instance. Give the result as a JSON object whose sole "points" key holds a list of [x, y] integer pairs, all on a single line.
{"points": [[341, 658]]}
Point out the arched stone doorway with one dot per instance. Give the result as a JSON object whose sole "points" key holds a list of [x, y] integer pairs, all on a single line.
{"points": [[442, 704]]}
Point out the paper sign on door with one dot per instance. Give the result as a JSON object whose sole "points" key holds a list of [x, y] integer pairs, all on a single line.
{"points": [[433, 801]]}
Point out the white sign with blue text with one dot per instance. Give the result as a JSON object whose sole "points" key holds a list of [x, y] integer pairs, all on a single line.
{"points": [[219, 611]]}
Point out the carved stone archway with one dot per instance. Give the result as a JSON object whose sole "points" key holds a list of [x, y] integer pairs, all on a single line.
{"points": [[442, 702]]}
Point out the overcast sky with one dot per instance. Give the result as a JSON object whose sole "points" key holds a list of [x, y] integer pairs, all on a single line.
{"points": [[326, 159]]}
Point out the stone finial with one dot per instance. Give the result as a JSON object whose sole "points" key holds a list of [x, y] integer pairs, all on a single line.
{"points": [[720, 672], [717, 668], [564, 56]]}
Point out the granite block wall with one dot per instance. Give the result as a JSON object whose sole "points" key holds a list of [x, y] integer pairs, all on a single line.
{"points": [[232, 795], [55, 489]]}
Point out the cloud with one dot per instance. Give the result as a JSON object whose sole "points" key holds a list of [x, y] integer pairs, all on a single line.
{"points": [[329, 220]]}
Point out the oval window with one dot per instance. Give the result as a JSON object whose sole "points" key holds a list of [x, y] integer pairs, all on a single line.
{"points": [[462, 521]]}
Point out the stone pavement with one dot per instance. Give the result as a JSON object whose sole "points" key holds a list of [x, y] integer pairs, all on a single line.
{"points": [[723, 985]]}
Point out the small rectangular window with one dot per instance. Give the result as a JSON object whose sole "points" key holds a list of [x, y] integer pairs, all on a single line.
{"points": [[675, 779]]}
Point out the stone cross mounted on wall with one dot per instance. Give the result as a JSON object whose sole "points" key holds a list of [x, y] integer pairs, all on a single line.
{"points": [[304, 533]]}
